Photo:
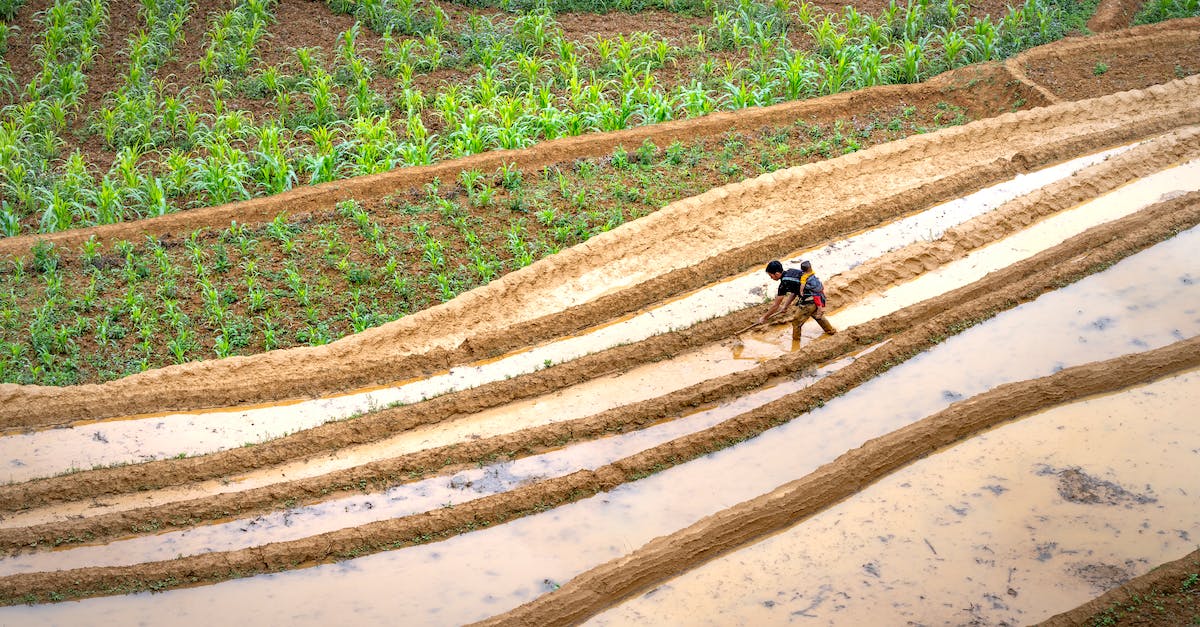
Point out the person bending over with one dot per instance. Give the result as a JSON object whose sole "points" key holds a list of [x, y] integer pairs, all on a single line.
{"points": [[804, 287]]}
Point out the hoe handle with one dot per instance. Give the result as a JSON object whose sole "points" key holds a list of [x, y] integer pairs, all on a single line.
{"points": [[757, 324], [748, 328]]}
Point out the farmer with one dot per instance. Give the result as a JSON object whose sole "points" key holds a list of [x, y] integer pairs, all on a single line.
{"points": [[800, 284]]}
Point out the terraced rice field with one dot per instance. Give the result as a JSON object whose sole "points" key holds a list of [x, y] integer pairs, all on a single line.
{"points": [[1003, 429]]}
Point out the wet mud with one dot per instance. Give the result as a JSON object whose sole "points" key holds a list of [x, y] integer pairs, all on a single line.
{"points": [[1044, 272], [138, 479], [91, 444], [660, 256], [933, 169], [845, 288], [979, 533], [403, 500], [53, 451], [664, 557], [1077, 486], [1163, 577]]}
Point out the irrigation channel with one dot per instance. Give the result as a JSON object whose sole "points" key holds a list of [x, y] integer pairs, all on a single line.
{"points": [[113, 441], [1009, 527], [1045, 472]]}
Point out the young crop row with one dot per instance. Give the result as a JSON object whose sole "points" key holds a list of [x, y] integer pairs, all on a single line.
{"points": [[97, 313], [31, 130], [367, 110], [1162, 10]]}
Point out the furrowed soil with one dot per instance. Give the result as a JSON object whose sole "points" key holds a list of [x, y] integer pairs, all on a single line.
{"points": [[528, 306], [1149, 95]]}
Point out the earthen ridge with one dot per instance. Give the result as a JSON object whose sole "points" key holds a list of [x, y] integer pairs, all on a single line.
{"points": [[662, 558], [1116, 240], [845, 288], [928, 162]]}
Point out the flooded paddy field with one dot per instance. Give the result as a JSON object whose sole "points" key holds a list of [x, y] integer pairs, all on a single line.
{"points": [[140, 439], [593, 474], [1010, 527], [634, 385], [1059, 330]]}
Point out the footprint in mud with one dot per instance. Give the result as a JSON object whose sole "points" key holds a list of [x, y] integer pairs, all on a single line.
{"points": [[1077, 486], [1102, 577]]}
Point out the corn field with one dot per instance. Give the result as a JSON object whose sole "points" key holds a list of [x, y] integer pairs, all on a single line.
{"points": [[347, 109], [97, 312]]}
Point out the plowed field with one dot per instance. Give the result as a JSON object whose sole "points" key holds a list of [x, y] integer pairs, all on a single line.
{"points": [[1003, 428]]}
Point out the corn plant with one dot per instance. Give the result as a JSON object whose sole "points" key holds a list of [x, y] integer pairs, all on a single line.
{"points": [[374, 146], [233, 38], [522, 254], [219, 175], [272, 168]]}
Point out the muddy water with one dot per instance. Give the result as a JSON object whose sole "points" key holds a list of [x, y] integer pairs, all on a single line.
{"points": [[1011, 527], [123, 441], [403, 500], [644, 382], [1045, 234], [1149, 300]]}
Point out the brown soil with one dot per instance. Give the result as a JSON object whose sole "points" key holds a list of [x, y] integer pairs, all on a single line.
{"points": [[678, 29], [874, 275], [791, 503], [1167, 595], [21, 42], [1113, 15], [681, 240], [1087, 67], [1049, 270], [932, 167]]}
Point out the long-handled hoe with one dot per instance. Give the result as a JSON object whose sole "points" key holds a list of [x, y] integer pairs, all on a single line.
{"points": [[738, 343]]}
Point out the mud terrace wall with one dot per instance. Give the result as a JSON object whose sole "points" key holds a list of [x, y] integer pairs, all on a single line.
{"points": [[911, 331], [846, 288], [601, 587], [1181, 36], [679, 247]]}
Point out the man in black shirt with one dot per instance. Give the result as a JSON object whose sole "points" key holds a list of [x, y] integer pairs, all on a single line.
{"points": [[800, 284]]}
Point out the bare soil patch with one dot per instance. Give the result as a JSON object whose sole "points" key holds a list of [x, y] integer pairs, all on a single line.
{"points": [[1107, 64]]}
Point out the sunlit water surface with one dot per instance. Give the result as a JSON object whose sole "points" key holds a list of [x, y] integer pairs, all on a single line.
{"points": [[85, 446], [1149, 300]]}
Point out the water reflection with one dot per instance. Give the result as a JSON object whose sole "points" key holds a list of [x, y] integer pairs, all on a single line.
{"points": [[1010, 527], [50, 452], [486, 572]]}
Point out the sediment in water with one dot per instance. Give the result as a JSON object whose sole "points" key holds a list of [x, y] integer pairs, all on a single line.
{"points": [[1079, 256]]}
